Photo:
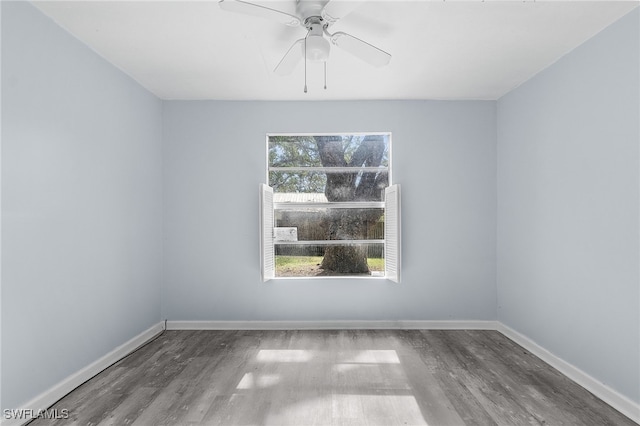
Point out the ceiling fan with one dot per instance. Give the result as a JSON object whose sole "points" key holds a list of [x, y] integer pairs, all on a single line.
{"points": [[316, 16]]}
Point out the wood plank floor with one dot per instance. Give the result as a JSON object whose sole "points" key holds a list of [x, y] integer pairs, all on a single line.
{"points": [[336, 377]]}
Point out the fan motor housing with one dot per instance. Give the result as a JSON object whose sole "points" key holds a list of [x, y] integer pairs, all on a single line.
{"points": [[308, 8]]}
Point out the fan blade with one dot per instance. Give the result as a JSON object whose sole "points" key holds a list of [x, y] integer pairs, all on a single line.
{"points": [[290, 60], [336, 9], [247, 8], [361, 49]]}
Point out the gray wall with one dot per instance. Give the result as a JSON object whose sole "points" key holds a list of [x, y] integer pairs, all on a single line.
{"points": [[568, 187], [444, 156], [81, 205]]}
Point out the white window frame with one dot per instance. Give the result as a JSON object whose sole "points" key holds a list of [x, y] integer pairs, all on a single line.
{"points": [[391, 206]]}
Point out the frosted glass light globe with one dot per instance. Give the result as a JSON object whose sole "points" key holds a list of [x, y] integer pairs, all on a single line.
{"points": [[317, 48]]}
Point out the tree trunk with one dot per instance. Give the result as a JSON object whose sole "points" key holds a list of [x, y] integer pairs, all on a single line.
{"points": [[347, 224], [350, 259]]}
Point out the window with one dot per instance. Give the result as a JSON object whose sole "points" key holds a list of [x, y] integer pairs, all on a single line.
{"points": [[329, 208]]}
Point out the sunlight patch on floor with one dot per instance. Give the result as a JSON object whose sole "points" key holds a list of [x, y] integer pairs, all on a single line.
{"points": [[373, 356], [284, 355], [318, 386], [349, 409], [258, 381]]}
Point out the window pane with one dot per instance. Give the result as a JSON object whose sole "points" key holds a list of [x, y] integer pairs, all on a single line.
{"points": [[298, 182], [307, 260], [328, 201], [293, 151], [342, 186], [329, 224], [329, 150]]}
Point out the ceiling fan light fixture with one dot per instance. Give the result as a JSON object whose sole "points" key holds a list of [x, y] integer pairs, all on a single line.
{"points": [[317, 48]]}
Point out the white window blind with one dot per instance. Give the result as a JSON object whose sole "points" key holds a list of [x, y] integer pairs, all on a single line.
{"points": [[392, 233], [266, 233]]}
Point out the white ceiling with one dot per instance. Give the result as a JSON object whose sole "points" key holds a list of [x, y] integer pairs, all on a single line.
{"points": [[441, 50]]}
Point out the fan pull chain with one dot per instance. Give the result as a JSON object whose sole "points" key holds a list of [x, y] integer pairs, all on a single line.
{"points": [[325, 75], [305, 62]]}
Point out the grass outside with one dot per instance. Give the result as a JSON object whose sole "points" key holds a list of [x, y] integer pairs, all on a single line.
{"points": [[305, 266]]}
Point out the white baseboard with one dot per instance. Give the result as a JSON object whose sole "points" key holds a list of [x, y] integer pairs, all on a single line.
{"points": [[53, 394], [331, 325], [618, 401]]}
